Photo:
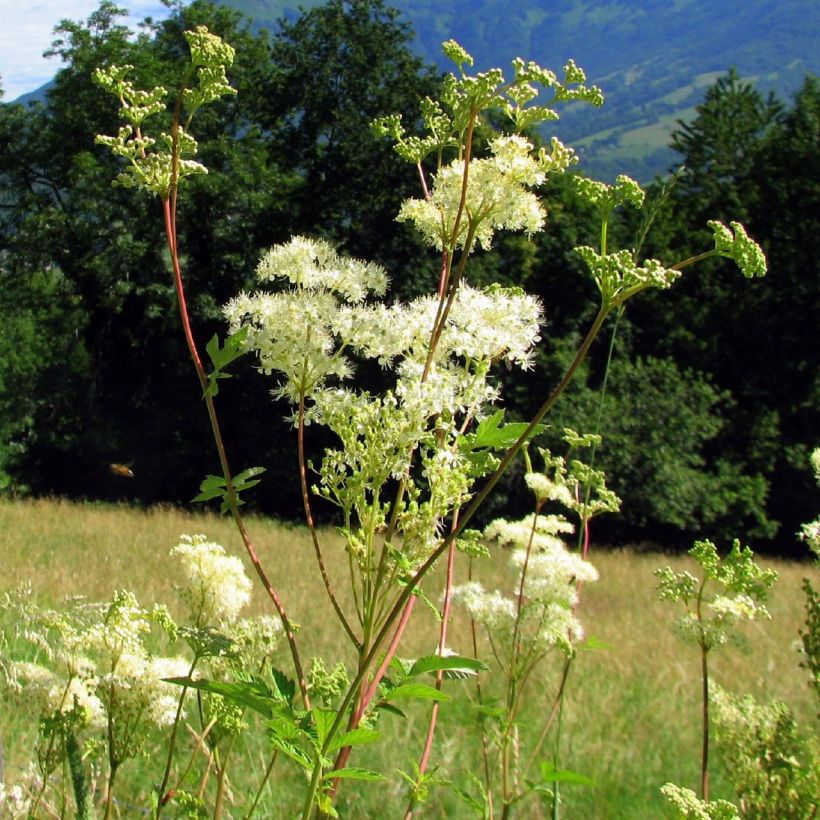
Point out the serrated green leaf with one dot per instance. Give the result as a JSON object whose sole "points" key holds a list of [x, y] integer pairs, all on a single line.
{"points": [[323, 720], [434, 663], [388, 707], [251, 694], [490, 435], [245, 485], [251, 472], [355, 737], [353, 773], [292, 751], [283, 686], [420, 691]]}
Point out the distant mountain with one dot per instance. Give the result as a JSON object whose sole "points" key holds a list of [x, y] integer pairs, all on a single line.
{"points": [[653, 58]]}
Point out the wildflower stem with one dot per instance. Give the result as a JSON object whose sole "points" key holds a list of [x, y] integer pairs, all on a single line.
{"points": [[265, 779], [169, 210], [704, 670], [406, 593], [550, 718], [312, 526], [442, 643], [161, 794]]}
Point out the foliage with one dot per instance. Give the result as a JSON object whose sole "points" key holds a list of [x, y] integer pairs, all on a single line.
{"points": [[291, 154], [774, 768], [744, 148], [659, 424]]}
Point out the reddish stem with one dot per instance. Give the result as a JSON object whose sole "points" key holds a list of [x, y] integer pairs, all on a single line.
{"points": [[169, 211]]}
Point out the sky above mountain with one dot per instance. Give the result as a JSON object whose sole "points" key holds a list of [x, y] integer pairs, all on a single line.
{"points": [[27, 31]]}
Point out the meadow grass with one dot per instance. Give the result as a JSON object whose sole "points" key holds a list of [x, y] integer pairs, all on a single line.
{"points": [[631, 715]]}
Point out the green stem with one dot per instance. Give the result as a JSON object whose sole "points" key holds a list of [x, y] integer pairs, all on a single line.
{"points": [[704, 671], [262, 784], [411, 585], [109, 798], [162, 797], [556, 797], [78, 781], [300, 436]]}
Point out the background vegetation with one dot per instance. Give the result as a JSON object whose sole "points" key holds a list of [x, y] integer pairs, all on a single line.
{"points": [[93, 369]]}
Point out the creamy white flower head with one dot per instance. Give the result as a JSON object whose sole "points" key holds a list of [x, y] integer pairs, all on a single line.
{"points": [[79, 696], [497, 198], [293, 333], [314, 265], [730, 608], [546, 489], [449, 387], [216, 586], [47, 693], [518, 533], [164, 697], [810, 533], [493, 324], [494, 610], [121, 630], [302, 332], [135, 689]]}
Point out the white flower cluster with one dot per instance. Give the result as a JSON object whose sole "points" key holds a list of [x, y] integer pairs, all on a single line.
{"points": [[49, 694], [134, 690], [216, 586], [314, 265], [543, 529], [547, 617], [295, 332], [497, 197]]}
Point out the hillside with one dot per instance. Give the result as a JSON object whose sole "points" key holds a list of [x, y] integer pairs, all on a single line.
{"points": [[653, 59]]}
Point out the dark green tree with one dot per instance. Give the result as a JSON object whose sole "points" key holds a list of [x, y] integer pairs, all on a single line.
{"points": [[134, 398], [748, 159]]}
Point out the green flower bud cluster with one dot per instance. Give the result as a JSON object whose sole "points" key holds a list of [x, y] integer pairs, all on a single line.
{"points": [[608, 197], [739, 247], [618, 277], [709, 621], [464, 98], [156, 165]]}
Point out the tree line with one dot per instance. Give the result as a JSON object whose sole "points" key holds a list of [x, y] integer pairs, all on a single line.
{"points": [[711, 398]]}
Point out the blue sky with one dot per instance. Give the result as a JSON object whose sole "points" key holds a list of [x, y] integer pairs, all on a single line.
{"points": [[26, 31]]}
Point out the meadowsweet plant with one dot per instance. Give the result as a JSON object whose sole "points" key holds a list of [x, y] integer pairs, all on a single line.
{"points": [[774, 767], [537, 617], [105, 694], [403, 473], [740, 587]]}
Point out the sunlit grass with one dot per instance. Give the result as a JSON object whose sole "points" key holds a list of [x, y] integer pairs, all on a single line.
{"points": [[632, 711]]}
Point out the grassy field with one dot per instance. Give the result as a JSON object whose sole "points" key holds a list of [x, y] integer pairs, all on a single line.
{"points": [[632, 710]]}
